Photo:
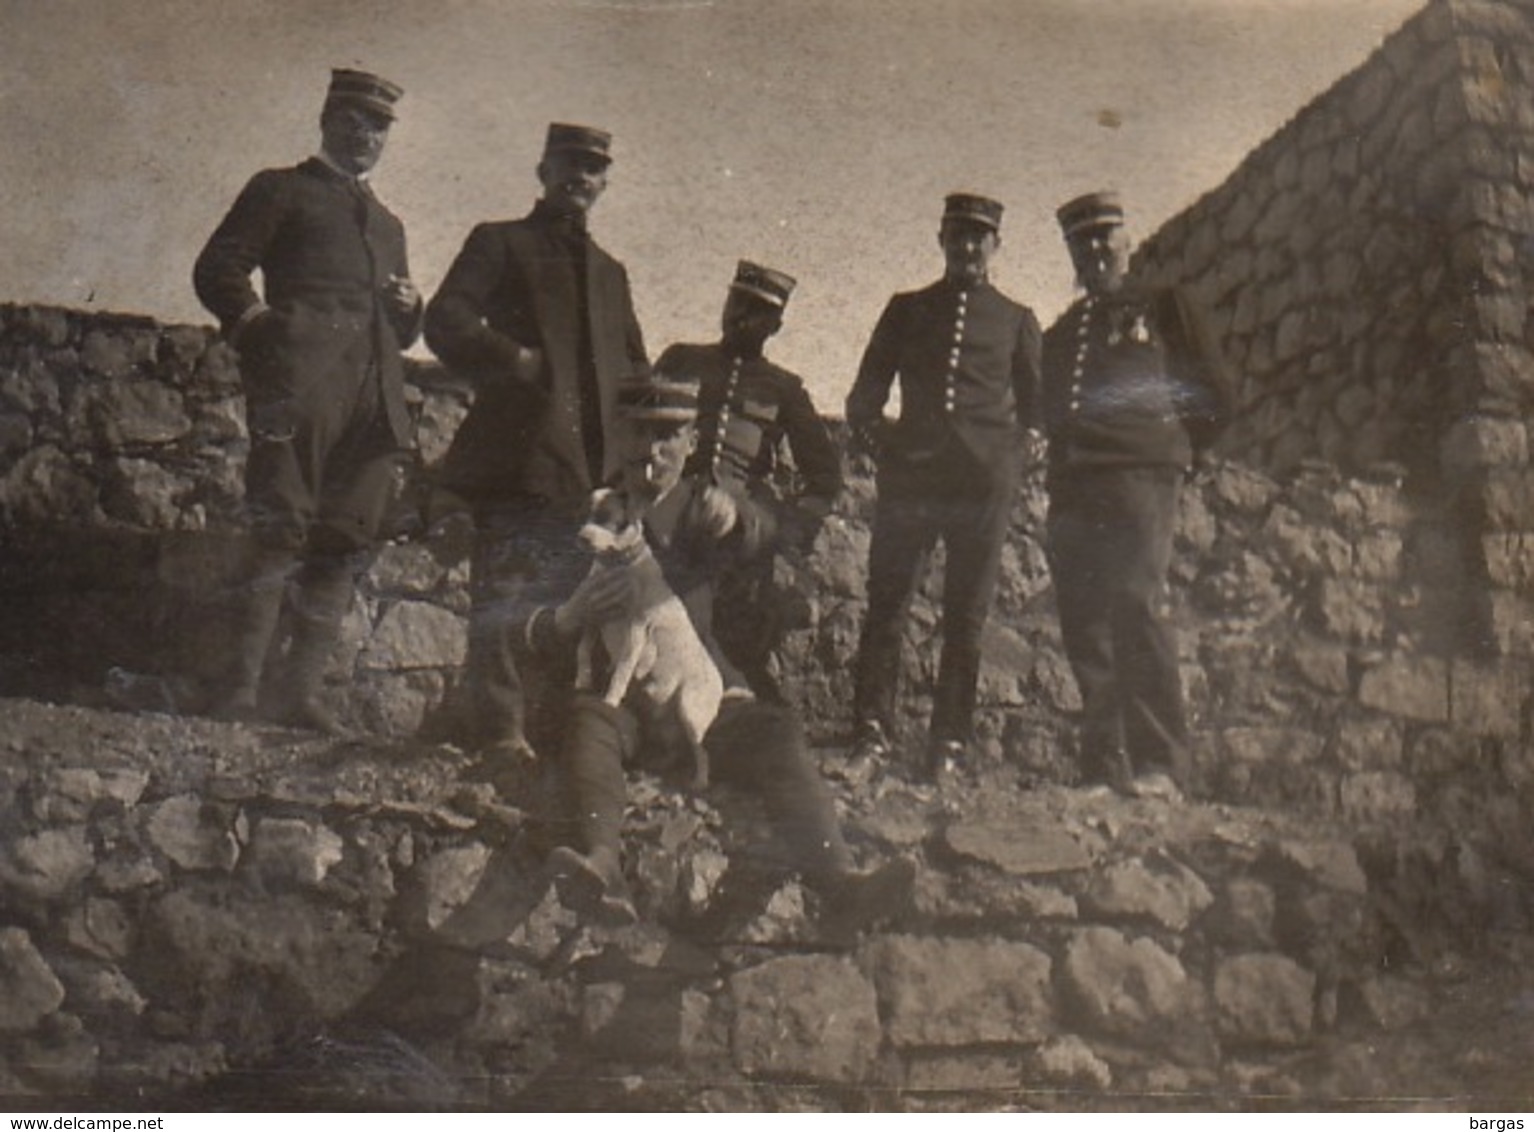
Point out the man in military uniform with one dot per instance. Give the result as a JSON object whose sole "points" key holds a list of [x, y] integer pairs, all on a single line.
{"points": [[1134, 393], [748, 410], [694, 527], [323, 382], [541, 321], [967, 358]]}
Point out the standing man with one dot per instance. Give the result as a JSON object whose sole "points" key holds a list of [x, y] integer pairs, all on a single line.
{"points": [[323, 381], [1134, 393], [747, 409], [694, 527], [540, 320], [968, 361]]}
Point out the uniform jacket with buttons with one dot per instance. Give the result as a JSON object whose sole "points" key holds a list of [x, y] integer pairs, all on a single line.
{"points": [[512, 286], [325, 248], [967, 358], [1132, 378], [747, 410]]}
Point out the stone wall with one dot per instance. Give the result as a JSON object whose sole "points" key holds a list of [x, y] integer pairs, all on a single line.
{"points": [[1318, 613], [1367, 268], [122, 446], [207, 917]]}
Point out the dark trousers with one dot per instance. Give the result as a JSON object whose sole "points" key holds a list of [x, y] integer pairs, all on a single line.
{"points": [[968, 508], [756, 746], [1110, 544], [526, 555], [321, 473]]}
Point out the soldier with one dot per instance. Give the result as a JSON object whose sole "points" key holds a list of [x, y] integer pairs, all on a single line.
{"points": [[323, 381], [541, 320], [748, 408], [968, 360], [693, 526], [1134, 393]]}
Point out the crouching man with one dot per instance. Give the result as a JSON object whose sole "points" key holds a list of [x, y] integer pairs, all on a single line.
{"points": [[696, 529]]}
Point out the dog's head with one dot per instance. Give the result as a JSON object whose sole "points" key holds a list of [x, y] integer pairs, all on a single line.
{"points": [[612, 528]]}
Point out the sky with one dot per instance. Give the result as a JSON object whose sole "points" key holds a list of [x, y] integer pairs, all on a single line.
{"points": [[815, 136]]}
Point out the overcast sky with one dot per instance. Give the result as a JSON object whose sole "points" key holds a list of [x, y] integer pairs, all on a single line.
{"points": [[818, 136]]}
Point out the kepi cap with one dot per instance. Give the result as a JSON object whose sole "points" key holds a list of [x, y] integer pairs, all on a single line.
{"points": [[658, 397], [581, 139], [773, 287], [974, 208], [1101, 209], [363, 89]]}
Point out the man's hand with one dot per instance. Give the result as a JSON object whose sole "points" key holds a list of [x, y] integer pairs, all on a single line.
{"points": [[527, 366], [401, 297], [603, 596], [717, 511]]}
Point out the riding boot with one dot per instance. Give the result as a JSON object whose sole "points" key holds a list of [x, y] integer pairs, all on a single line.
{"points": [[254, 625], [324, 596]]}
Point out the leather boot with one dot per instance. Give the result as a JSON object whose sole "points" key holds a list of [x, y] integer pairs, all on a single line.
{"points": [[254, 625], [324, 596]]}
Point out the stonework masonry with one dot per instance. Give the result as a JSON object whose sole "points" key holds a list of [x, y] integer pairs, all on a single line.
{"points": [[1353, 586]]}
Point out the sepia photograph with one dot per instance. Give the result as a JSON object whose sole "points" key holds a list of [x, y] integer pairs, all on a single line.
{"points": [[722, 556]]}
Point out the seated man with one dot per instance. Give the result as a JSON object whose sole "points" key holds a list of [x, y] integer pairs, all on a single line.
{"points": [[751, 414], [695, 529]]}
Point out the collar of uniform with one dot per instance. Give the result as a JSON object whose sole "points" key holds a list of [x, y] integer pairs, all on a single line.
{"points": [[359, 179], [954, 286], [545, 213]]}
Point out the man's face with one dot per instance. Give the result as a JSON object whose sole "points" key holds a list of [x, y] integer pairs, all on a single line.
{"points": [[747, 321], [1101, 258], [967, 249], [654, 454], [572, 179], [353, 137]]}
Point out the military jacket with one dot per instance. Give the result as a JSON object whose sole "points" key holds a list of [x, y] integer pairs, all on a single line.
{"points": [[967, 358], [518, 285], [1132, 377], [325, 248], [747, 410]]}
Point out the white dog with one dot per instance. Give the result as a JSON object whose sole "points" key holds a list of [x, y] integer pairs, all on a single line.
{"points": [[654, 647]]}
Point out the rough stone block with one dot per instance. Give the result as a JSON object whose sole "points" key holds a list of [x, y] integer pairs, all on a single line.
{"points": [[805, 1016], [1264, 999], [1156, 888], [193, 833], [1068, 1062], [405, 569], [1288, 746], [100, 926], [46, 486], [416, 634], [1023, 845], [1377, 796], [46, 865], [145, 494], [968, 1073], [444, 882], [1242, 915], [293, 851], [1509, 559], [121, 414], [1130, 989], [29, 990], [1487, 699], [962, 992], [1508, 497], [1409, 686], [1369, 744], [1329, 864], [1323, 666]]}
